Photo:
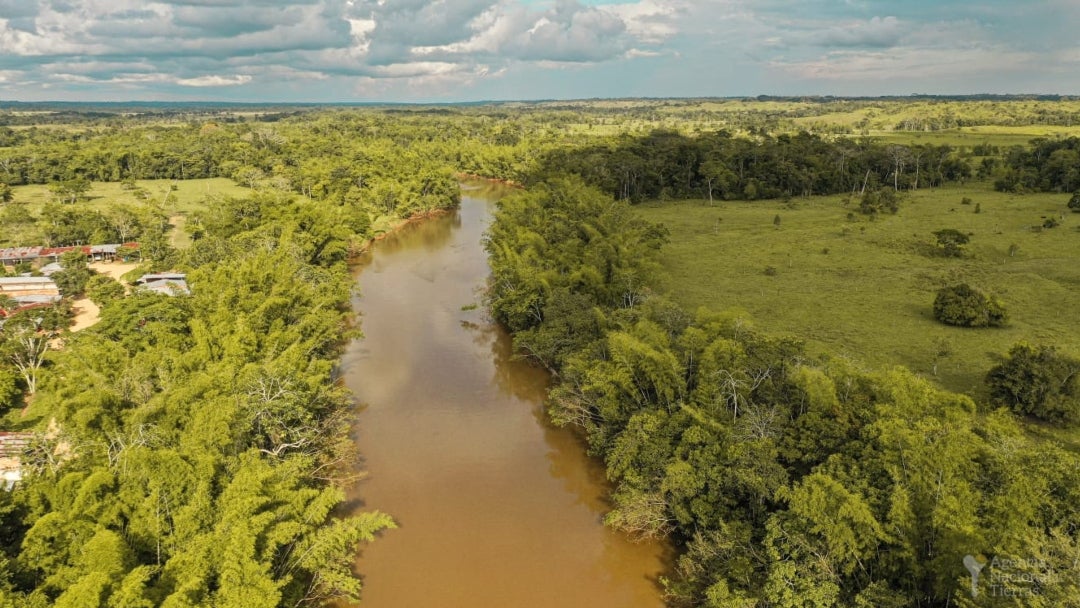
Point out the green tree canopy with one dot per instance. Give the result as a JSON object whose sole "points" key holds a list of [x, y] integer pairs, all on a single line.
{"points": [[966, 306], [1038, 381]]}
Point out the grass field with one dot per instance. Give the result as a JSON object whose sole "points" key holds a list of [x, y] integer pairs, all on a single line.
{"points": [[189, 196], [861, 288], [1003, 137]]}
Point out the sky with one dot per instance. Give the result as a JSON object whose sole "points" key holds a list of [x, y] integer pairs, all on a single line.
{"points": [[472, 50]]}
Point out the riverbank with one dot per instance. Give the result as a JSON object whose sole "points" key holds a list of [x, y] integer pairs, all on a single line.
{"points": [[496, 506], [397, 225]]}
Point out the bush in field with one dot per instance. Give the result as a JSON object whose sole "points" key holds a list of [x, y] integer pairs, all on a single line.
{"points": [[964, 306], [951, 242], [1074, 202], [1038, 381], [877, 201]]}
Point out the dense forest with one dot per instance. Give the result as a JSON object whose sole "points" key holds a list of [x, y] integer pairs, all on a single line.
{"points": [[666, 164], [197, 446], [1048, 165], [191, 450], [785, 481]]}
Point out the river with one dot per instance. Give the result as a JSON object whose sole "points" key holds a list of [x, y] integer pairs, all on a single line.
{"points": [[496, 508]]}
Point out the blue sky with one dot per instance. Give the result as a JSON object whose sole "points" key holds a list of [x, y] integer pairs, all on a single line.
{"points": [[464, 50]]}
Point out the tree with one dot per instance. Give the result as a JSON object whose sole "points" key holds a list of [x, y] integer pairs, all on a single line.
{"points": [[964, 306], [1038, 381], [72, 279], [24, 345], [9, 387], [125, 221], [70, 190], [951, 242], [102, 289]]}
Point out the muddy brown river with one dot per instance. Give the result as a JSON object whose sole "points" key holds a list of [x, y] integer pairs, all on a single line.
{"points": [[495, 507]]}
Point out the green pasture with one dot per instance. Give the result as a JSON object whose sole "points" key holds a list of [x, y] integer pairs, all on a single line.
{"points": [[862, 288], [188, 195], [1003, 137], [175, 198]]}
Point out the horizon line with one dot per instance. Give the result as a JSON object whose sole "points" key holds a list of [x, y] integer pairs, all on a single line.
{"points": [[481, 102]]}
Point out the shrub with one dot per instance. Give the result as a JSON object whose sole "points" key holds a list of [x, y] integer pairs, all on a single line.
{"points": [[876, 201], [1050, 223], [1074, 202], [1037, 381], [964, 306], [950, 242]]}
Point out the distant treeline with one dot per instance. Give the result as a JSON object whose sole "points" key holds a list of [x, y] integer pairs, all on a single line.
{"points": [[665, 164], [329, 158]]}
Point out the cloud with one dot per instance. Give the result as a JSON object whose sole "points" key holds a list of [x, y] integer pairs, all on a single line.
{"points": [[215, 81], [878, 32], [464, 49], [200, 42], [912, 65]]}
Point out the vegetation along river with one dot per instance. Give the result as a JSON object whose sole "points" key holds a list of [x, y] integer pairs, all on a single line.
{"points": [[495, 507]]}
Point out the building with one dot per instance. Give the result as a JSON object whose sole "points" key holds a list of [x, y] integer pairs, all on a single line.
{"points": [[165, 283], [30, 290], [43, 255], [50, 269], [12, 446], [17, 255]]}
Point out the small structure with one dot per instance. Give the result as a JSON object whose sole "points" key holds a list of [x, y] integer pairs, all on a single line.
{"points": [[165, 283], [30, 290], [53, 253], [94, 253], [104, 253], [16, 255], [12, 446], [50, 269]]}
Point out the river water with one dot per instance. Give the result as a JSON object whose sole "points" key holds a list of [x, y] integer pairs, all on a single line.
{"points": [[495, 507]]}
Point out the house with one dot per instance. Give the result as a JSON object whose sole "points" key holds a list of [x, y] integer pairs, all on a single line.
{"points": [[104, 253], [165, 283], [94, 253], [30, 290], [12, 447], [17, 255], [50, 269]]}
